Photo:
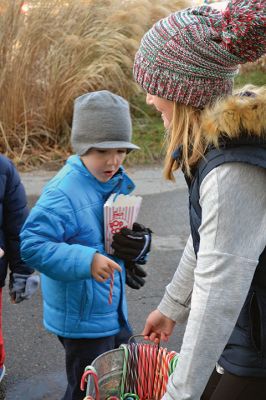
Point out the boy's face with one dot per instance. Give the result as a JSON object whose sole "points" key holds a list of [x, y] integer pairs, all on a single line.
{"points": [[104, 163]]}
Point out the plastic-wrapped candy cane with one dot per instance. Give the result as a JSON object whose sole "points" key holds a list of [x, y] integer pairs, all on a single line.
{"points": [[90, 370], [112, 278]]}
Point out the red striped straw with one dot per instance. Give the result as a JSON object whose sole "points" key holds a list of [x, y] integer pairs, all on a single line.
{"points": [[110, 298]]}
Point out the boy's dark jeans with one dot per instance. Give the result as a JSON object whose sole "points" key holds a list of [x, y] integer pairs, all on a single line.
{"points": [[81, 352]]}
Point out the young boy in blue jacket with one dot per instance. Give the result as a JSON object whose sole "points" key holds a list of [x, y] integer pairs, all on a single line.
{"points": [[63, 237]]}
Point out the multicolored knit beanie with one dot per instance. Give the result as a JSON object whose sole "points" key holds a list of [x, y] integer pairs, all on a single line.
{"points": [[193, 55]]}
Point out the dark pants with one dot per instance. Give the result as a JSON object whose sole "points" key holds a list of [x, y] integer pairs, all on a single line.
{"points": [[233, 387], [81, 352], [2, 348]]}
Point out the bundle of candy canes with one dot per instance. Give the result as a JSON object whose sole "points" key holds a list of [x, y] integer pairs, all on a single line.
{"points": [[145, 373]]}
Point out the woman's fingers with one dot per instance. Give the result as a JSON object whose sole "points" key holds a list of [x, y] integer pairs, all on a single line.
{"points": [[164, 337], [155, 337], [150, 334], [158, 327], [147, 330]]}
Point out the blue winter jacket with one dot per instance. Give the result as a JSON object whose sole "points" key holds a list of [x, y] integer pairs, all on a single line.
{"points": [[60, 237], [13, 212]]}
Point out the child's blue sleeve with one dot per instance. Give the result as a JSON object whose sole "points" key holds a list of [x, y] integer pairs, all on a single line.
{"points": [[44, 240]]}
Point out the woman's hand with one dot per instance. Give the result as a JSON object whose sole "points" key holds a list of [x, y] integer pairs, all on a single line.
{"points": [[158, 327], [103, 267]]}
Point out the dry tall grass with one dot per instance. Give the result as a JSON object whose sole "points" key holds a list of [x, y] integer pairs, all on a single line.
{"points": [[259, 65], [57, 52]]}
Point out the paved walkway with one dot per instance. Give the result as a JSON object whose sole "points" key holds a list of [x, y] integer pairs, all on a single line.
{"points": [[148, 180]]}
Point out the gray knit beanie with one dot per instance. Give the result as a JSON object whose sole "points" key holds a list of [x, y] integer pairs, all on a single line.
{"points": [[101, 120]]}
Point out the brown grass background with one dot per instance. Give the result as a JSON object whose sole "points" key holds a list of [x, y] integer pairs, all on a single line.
{"points": [[60, 50], [56, 52]]}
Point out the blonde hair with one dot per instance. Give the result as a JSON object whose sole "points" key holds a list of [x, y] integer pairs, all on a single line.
{"points": [[185, 131], [194, 129]]}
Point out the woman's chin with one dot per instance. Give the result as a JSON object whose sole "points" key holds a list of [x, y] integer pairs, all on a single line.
{"points": [[166, 124]]}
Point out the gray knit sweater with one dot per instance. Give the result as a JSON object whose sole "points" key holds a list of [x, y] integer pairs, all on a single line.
{"points": [[209, 292]]}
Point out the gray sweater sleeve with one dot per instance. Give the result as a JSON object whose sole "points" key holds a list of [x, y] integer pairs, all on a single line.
{"points": [[232, 236], [176, 301]]}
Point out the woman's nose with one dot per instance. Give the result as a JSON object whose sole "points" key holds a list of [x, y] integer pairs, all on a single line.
{"points": [[149, 99]]}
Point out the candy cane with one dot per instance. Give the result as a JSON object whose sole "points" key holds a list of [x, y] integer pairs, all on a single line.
{"points": [[165, 367], [124, 371], [135, 364], [140, 371], [151, 371], [173, 364], [157, 372], [163, 372], [130, 396], [90, 371], [145, 372], [110, 298], [112, 398], [131, 370]]}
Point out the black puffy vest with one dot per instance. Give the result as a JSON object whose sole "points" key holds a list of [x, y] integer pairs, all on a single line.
{"points": [[245, 353]]}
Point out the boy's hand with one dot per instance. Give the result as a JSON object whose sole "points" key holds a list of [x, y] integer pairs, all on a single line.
{"points": [[22, 286], [103, 267], [133, 245]]}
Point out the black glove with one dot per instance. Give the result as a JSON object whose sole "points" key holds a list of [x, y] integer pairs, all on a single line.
{"points": [[133, 244], [135, 275]]}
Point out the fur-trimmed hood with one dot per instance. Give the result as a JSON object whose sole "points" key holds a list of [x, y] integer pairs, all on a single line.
{"points": [[243, 112]]}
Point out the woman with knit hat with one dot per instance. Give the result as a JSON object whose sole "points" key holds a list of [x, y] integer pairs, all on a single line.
{"points": [[186, 64]]}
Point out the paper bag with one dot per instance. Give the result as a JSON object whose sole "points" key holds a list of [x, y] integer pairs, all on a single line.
{"points": [[120, 211]]}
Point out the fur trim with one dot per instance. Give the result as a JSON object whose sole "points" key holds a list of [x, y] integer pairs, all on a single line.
{"points": [[235, 114]]}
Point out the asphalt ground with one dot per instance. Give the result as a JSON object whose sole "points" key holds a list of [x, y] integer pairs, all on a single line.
{"points": [[34, 357]]}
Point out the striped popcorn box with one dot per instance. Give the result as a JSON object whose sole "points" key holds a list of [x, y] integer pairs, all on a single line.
{"points": [[120, 211]]}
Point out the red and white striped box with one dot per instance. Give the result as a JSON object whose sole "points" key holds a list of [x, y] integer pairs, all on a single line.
{"points": [[120, 211]]}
